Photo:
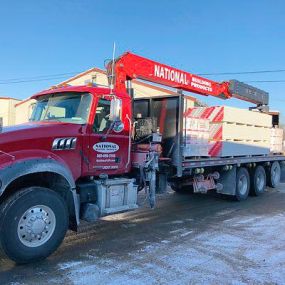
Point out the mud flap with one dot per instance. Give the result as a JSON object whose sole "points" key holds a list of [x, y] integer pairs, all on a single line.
{"points": [[228, 180], [161, 182], [73, 202], [152, 188]]}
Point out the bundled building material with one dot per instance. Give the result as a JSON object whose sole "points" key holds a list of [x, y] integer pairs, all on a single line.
{"points": [[231, 115], [196, 136], [237, 148], [276, 140], [235, 132]]}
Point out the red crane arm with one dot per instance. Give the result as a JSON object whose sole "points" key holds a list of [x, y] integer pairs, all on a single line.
{"points": [[130, 66]]}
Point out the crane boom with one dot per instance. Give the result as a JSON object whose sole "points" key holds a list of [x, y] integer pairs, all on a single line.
{"points": [[131, 66]]}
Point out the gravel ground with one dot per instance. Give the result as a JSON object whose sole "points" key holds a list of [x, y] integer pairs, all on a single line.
{"points": [[187, 239]]}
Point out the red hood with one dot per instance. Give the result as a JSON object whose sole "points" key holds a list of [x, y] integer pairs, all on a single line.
{"points": [[35, 135], [20, 127]]}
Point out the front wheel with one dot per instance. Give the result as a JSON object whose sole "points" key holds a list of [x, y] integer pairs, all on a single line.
{"points": [[33, 224]]}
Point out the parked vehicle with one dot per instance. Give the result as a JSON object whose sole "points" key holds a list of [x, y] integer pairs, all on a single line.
{"points": [[87, 151]]}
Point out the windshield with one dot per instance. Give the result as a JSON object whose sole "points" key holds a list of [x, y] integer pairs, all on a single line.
{"points": [[63, 107]]}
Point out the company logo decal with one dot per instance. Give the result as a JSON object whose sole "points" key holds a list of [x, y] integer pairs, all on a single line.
{"points": [[105, 147], [182, 78], [170, 74]]}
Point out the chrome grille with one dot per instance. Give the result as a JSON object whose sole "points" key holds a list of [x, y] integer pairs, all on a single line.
{"points": [[64, 143]]}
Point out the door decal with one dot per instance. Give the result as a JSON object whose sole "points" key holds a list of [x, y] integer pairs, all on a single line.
{"points": [[106, 147]]}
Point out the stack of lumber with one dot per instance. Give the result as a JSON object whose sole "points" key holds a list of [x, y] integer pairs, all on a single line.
{"points": [[276, 140], [196, 136], [235, 132]]}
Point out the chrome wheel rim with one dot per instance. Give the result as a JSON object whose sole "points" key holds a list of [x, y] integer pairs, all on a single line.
{"points": [[36, 226], [242, 185]]}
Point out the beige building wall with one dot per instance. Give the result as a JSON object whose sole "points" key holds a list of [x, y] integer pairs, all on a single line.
{"points": [[7, 110], [4, 113], [24, 111], [99, 77]]}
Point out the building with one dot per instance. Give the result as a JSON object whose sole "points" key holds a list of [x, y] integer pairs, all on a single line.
{"points": [[24, 111], [8, 111], [99, 77], [20, 111]]}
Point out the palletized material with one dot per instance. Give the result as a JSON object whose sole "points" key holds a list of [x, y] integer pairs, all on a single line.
{"points": [[231, 115], [237, 148], [231, 131], [235, 132], [196, 136], [196, 150], [276, 140]]}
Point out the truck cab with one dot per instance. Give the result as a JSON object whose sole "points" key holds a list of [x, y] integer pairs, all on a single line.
{"points": [[99, 147]]}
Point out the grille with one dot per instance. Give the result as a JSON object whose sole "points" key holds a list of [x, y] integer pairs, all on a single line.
{"points": [[64, 143]]}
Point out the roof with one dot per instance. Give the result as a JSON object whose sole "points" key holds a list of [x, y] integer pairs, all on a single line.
{"points": [[95, 69], [84, 88], [9, 98], [273, 112], [22, 102]]}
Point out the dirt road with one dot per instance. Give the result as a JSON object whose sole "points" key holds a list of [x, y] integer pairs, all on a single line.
{"points": [[188, 239]]}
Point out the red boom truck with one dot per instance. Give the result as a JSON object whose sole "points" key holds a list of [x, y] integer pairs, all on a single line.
{"points": [[87, 151]]}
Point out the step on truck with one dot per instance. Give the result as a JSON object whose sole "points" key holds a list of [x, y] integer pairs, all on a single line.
{"points": [[87, 152]]}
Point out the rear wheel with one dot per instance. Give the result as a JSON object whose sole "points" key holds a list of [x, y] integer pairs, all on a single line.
{"points": [[242, 184], [258, 181], [274, 175], [33, 224]]}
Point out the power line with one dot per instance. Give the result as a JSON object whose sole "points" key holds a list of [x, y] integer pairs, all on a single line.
{"points": [[264, 81], [50, 76], [77, 72], [63, 75], [244, 72], [32, 80]]}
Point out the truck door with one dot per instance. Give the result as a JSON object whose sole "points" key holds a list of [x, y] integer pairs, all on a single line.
{"points": [[108, 147]]}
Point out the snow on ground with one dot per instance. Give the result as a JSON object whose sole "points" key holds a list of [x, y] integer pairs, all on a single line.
{"points": [[234, 251]]}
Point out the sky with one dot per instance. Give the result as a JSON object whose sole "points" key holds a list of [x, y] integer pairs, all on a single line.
{"points": [[62, 38]]}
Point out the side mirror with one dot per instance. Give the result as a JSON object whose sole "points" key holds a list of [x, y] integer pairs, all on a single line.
{"points": [[115, 110]]}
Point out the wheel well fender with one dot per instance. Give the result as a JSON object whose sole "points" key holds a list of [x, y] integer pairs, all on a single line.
{"points": [[42, 172]]}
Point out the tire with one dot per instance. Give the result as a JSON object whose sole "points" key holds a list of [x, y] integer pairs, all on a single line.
{"points": [[242, 184], [274, 175], [258, 181], [33, 224], [175, 186]]}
